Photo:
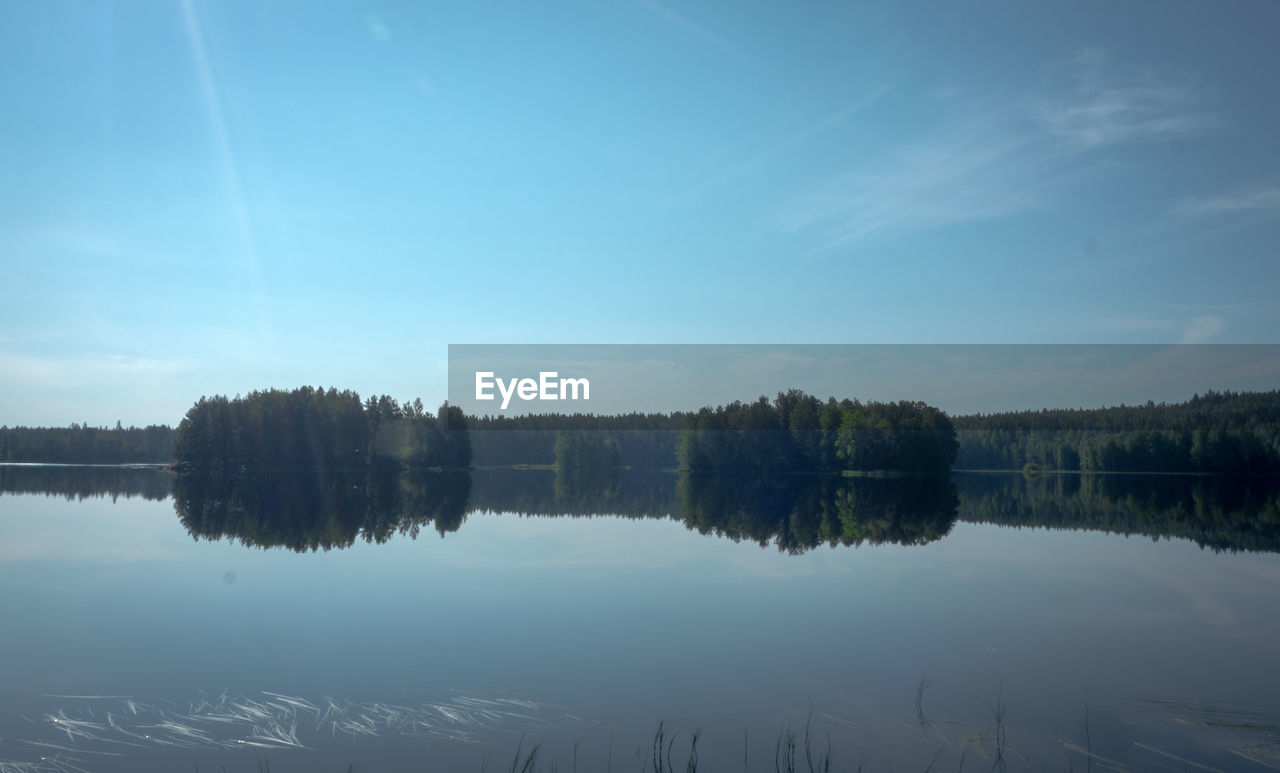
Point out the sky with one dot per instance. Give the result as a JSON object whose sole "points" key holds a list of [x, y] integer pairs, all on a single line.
{"points": [[201, 198]]}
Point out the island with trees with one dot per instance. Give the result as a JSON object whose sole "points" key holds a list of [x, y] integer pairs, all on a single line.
{"points": [[1222, 433]]}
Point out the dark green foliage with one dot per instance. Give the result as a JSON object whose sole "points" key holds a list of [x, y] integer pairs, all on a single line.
{"points": [[318, 429], [581, 449], [314, 469], [508, 445], [275, 429], [799, 432], [1220, 432], [82, 444]]}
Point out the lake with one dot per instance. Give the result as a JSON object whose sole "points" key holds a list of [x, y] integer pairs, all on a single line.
{"points": [[462, 621]]}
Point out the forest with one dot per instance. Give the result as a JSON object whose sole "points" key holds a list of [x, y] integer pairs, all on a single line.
{"points": [[320, 430], [82, 444], [797, 431], [1218, 432]]}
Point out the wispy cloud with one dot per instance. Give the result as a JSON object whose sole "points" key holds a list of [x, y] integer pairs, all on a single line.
{"points": [[700, 31], [1107, 105], [966, 173], [752, 161], [1130, 323], [1203, 328], [1010, 159], [866, 100], [1264, 200], [1196, 330]]}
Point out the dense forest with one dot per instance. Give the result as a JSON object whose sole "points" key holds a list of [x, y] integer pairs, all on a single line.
{"points": [[797, 431], [794, 431], [1219, 432], [82, 444], [643, 440], [318, 429]]}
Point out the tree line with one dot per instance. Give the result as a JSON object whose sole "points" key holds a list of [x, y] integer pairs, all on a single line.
{"points": [[642, 440], [797, 431], [319, 429], [82, 444], [794, 431], [1218, 432]]}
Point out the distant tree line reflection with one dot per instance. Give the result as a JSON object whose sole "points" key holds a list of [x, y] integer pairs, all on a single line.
{"points": [[76, 483], [304, 510], [794, 513]]}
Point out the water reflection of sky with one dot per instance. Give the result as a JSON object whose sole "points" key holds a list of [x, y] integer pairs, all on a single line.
{"points": [[616, 623]]}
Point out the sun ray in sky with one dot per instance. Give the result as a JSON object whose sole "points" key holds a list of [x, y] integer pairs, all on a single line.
{"points": [[262, 339], [283, 203]]}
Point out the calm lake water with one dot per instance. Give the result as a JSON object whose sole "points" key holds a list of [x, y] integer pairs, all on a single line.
{"points": [[989, 621]]}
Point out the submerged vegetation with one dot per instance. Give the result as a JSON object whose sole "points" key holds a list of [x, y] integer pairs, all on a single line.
{"points": [[272, 730]]}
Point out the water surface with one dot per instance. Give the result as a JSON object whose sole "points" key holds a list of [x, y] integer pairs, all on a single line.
{"points": [[1025, 623]]}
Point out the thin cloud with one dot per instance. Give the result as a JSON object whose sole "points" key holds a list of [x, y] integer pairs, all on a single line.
{"points": [[1201, 329], [697, 30], [1012, 159], [1197, 330], [866, 100], [982, 171], [1107, 105], [754, 162], [1131, 323], [1258, 200]]}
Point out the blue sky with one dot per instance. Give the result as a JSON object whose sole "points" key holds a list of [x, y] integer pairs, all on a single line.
{"points": [[201, 198]]}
